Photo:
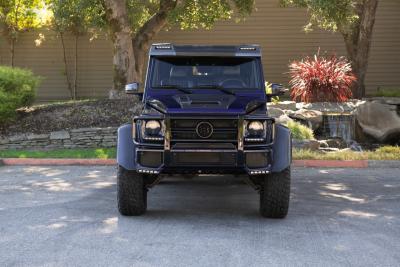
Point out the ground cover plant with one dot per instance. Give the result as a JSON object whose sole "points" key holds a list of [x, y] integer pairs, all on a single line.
{"points": [[66, 115], [300, 131]]}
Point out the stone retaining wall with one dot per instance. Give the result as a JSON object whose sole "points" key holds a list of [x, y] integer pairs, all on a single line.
{"points": [[75, 138]]}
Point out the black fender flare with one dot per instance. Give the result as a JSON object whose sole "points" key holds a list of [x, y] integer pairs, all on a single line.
{"points": [[282, 148], [126, 148]]}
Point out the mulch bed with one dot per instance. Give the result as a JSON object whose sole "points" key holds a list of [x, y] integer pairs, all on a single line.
{"points": [[72, 115]]}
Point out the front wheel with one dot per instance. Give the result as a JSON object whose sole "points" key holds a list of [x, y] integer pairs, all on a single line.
{"points": [[132, 193], [275, 195]]}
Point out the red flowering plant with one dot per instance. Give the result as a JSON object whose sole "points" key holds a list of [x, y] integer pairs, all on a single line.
{"points": [[321, 79]]}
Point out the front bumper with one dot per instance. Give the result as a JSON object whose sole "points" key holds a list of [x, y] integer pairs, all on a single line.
{"points": [[155, 161]]}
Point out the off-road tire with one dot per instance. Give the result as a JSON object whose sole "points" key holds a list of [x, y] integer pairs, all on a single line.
{"points": [[275, 195], [132, 193]]}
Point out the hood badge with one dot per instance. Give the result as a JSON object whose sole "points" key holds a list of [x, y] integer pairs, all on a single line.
{"points": [[204, 129]]}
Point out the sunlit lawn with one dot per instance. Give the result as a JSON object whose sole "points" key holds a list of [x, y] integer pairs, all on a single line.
{"points": [[96, 153], [383, 153]]}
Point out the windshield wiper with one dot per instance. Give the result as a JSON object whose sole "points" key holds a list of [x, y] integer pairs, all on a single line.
{"points": [[216, 86], [174, 86]]}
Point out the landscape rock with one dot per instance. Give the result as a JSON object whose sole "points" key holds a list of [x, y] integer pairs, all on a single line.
{"points": [[333, 107], [17, 138], [82, 130], [336, 143], [37, 136], [275, 112], [323, 144], [59, 135], [306, 144], [386, 100], [283, 119], [284, 105], [329, 149], [380, 120], [82, 138], [313, 118]]}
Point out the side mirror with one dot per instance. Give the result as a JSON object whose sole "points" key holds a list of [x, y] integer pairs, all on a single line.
{"points": [[132, 88], [277, 90]]}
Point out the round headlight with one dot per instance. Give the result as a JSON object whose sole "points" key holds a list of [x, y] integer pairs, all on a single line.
{"points": [[255, 128], [152, 127]]}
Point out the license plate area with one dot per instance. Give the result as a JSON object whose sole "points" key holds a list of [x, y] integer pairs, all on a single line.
{"points": [[203, 158]]}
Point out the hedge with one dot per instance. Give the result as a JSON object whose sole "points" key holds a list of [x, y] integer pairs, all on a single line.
{"points": [[17, 89]]}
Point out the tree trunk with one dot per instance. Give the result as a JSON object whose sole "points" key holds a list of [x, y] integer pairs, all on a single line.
{"points": [[76, 68], [69, 84], [144, 37], [123, 58], [358, 44], [12, 51]]}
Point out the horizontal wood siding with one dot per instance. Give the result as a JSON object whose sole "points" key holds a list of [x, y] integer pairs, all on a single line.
{"points": [[278, 30]]}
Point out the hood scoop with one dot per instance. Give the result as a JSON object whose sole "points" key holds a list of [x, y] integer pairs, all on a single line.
{"points": [[204, 101]]}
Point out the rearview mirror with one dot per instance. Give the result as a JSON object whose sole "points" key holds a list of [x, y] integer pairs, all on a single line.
{"points": [[277, 90], [132, 88]]}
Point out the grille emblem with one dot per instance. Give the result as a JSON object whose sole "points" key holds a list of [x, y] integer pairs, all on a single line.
{"points": [[204, 129]]}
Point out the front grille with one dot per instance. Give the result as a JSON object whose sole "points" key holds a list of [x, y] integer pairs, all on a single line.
{"points": [[222, 130]]}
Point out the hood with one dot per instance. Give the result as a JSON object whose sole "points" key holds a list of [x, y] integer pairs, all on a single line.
{"points": [[218, 104]]}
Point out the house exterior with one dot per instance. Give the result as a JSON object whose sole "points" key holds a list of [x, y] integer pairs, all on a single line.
{"points": [[278, 30]]}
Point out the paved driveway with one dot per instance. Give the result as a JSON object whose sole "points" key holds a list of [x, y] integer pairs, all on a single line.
{"points": [[58, 216]]}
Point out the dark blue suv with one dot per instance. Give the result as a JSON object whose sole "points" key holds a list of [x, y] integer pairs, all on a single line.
{"points": [[204, 112]]}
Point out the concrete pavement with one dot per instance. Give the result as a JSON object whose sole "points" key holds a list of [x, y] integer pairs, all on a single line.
{"points": [[67, 216]]}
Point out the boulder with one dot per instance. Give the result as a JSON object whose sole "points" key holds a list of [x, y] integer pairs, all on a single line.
{"points": [[333, 107], [306, 144], [313, 118], [380, 120], [275, 112], [284, 119], [336, 143], [329, 149], [285, 105]]}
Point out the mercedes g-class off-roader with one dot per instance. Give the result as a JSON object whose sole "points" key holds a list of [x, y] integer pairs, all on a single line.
{"points": [[204, 112]]}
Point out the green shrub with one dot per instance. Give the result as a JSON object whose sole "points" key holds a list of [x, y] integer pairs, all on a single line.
{"points": [[387, 93], [17, 89], [299, 131], [389, 149]]}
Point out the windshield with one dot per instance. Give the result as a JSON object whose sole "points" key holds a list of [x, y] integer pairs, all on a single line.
{"points": [[206, 72]]}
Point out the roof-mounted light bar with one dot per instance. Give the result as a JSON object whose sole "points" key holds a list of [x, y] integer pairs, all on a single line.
{"points": [[248, 48], [163, 46]]}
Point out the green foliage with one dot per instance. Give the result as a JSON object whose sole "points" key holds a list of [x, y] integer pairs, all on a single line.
{"points": [[76, 16], [330, 15], [17, 89], [387, 93], [300, 131], [20, 15], [205, 13], [188, 14]]}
